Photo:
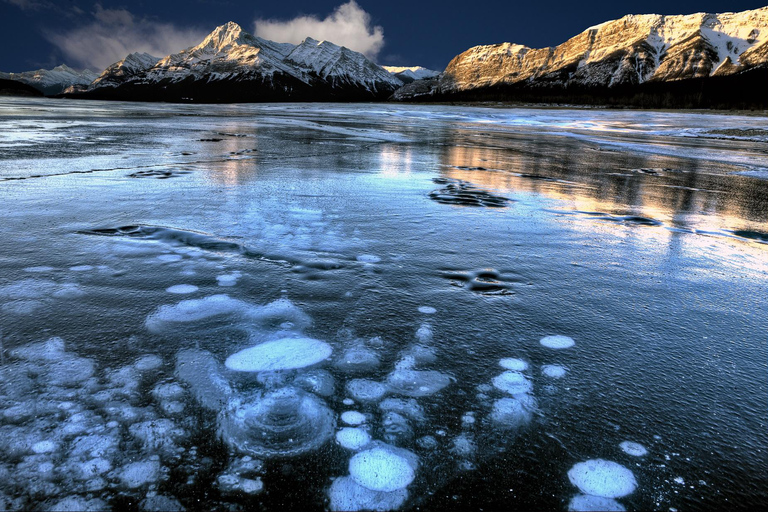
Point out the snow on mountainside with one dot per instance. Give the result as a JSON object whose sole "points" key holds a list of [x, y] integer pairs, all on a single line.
{"points": [[123, 70], [629, 51], [232, 65], [409, 74], [52, 81]]}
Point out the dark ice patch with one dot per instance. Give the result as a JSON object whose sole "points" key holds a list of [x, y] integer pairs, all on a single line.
{"points": [[462, 193], [160, 174], [756, 236], [485, 281]]}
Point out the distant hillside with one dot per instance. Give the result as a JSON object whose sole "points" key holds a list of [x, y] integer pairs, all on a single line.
{"points": [[15, 88]]}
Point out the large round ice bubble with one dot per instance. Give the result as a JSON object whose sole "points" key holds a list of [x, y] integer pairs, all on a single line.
{"points": [[632, 448], [587, 503], [514, 383], [380, 469], [557, 342], [281, 423], [348, 496], [513, 412], [603, 478], [282, 354], [417, 383]]}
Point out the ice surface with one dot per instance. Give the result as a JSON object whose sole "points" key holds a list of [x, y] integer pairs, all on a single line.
{"points": [[407, 407], [379, 469], [357, 359], [139, 474], [317, 381], [200, 371], [346, 495], [282, 354], [353, 438], [557, 342], [514, 383], [632, 448], [587, 503], [513, 412], [604, 478]]}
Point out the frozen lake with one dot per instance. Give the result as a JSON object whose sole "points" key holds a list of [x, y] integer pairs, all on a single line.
{"points": [[381, 307]]}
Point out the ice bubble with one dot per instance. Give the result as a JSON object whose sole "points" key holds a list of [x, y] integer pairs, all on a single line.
{"points": [[417, 354], [368, 258], [68, 291], [69, 372], [46, 446], [200, 371], [157, 435], [424, 333], [346, 495], [319, 382], [169, 258], [632, 448], [396, 428], [160, 503], [282, 354], [138, 474], [92, 468], [50, 350], [514, 383], [557, 342], [554, 371], [357, 359], [228, 279], [194, 310], [348, 401], [380, 469], [81, 268], [516, 365], [464, 445], [599, 477], [167, 391], [427, 443], [281, 423], [229, 483], [39, 269], [427, 310], [182, 289], [366, 390], [417, 383], [408, 407], [587, 503], [148, 363], [353, 417], [513, 412], [78, 504], [353, 438]]}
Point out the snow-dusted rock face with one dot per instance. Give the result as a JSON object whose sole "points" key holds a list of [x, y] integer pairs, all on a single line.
{"points": [[52, 81], [409, 74], [122, 71], [232, 65], [632, 50]]}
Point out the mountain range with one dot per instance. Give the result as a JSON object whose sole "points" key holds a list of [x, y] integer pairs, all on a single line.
{"points": [[631, 55], [699, 60]]}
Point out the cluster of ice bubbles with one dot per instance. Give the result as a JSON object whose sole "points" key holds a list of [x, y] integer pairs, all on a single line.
{"points": [[74, 434], [599, 481]]}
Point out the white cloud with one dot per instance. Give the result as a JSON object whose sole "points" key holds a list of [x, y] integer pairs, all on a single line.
{"points": [[349, 25], [114, 33]]}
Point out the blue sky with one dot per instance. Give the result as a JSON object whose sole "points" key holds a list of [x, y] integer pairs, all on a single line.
{"points": [[85, 33]]}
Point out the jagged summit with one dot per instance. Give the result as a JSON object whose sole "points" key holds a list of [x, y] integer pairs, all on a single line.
{"points": [[232, 65], [52, 81]]}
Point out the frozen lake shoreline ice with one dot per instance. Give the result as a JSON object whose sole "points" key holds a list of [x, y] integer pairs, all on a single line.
{"points": [[388, 276]]}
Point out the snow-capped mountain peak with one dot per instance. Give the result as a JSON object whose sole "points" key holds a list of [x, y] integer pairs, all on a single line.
{"points": [[52, 81]]}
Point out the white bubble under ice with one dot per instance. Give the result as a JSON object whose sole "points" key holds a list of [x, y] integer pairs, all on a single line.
{"points": [[182, 289], [346, 495], [604, 478], [352, 438], [511, 363], [228, 279], [417, 383], [81, 268], [170, 258], [587, 503], [632, 448], [368, 258], [557, 342], [513, 413], [381, 470], [514, 383], [282, 354], [427, 310], [365, 390], [353, 417], [554, 371]]}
